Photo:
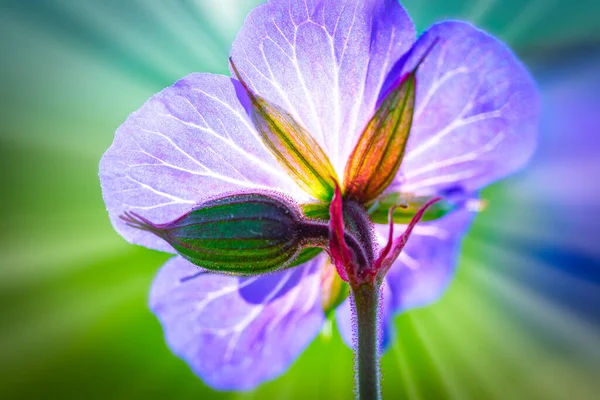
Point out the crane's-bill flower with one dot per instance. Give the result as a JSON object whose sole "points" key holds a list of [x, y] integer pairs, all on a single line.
{"points": [[334, 74]]}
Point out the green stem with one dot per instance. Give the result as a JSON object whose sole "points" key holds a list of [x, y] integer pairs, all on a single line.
{"points": [[366, 308]]}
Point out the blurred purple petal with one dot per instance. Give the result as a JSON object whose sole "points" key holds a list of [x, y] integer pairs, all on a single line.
{"points": [[324, 62], [565, 167], [236, 333], [343, 317], [476, 113], [426, 265], [189, 142]]}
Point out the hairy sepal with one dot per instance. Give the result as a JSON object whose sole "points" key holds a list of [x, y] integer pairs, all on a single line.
{"points": [[244, 234], [377, 156], [292, 145]]}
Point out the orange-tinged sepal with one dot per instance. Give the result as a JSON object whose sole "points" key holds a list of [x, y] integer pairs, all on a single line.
{"points": [[293, 146], [378, 154]]}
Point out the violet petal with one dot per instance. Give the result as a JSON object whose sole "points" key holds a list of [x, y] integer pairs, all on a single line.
{"points": [[232, 338], [323, 62], [476, 113], [190, 142]]}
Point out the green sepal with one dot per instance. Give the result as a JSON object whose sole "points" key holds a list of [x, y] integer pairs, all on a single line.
{"points": [[408, 206], [244, 234], [306, 255], [319, 211], [297, 152]]}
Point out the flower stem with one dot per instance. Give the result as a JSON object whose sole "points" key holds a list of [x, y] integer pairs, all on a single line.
{"points": [[366, 308]]}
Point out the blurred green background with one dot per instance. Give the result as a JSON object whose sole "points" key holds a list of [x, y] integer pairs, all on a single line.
{"points": [[520, 321]]}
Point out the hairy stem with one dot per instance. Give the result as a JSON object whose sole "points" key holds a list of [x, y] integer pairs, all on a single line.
{"points": [[366, 308]]}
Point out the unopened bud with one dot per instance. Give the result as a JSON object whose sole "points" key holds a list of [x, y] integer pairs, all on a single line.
{"points": [[244, 234]]}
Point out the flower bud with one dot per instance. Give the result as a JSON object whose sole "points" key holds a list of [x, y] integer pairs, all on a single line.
{"points": [[244, 233]]}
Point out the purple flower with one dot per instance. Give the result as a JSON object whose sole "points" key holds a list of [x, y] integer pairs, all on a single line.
{"points": [[329, 64]]}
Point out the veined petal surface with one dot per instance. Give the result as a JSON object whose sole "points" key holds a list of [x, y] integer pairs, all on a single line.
{"points": [[476, 112], [324, 62], [190, 142], [236, 333]]}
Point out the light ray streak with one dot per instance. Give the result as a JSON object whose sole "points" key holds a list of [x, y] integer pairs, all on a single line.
{"points": [[480, 11], [580, 334], [408, 382], [532, 13], [464, 350], [449, 377]]}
